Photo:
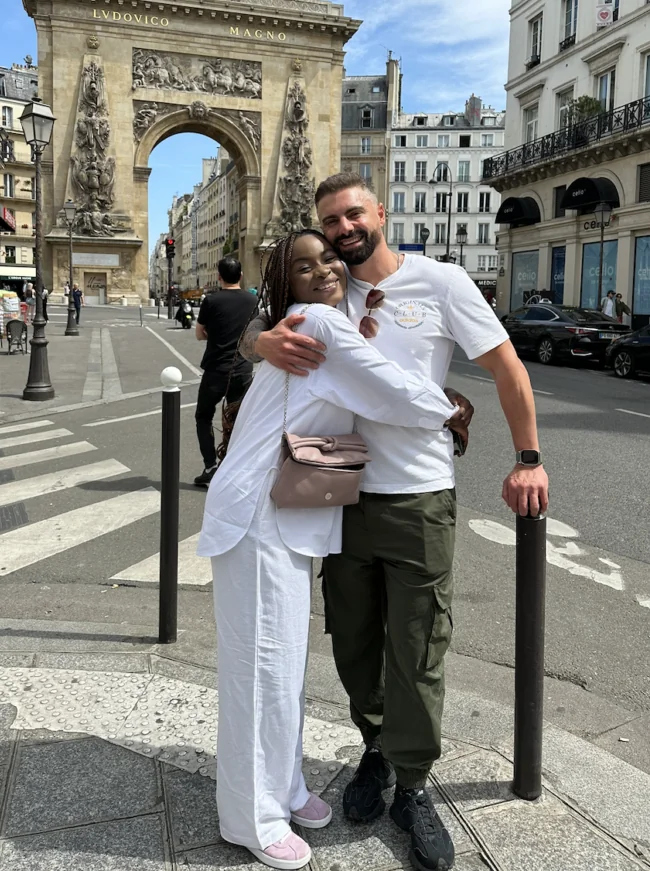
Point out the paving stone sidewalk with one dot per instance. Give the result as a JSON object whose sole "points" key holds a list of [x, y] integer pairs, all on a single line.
{"points": [[107, 763]]}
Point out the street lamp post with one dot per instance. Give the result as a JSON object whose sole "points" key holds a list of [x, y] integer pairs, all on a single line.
{"points": [[37, 122], [441, 170], [72, 329], [461, 239], [424, 235], [602, 213]]}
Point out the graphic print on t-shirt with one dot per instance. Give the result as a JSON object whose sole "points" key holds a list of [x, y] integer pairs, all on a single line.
{"points": [[410, 314]]}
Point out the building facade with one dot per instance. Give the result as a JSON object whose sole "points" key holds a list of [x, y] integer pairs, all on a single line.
{"points": [[436, 166], [18, 85], [577, 135], [369, 106], [158, 269]]}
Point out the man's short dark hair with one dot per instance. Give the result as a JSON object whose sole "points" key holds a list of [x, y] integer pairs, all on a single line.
{"points": [[341, 182], [229, 270]]}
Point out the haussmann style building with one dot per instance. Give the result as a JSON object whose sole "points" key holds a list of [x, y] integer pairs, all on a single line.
{"points": [[577, 136]]}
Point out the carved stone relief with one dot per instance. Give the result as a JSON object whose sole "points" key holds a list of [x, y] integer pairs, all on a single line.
{"points": [[92, 172], [298, 5], [176, 72], [296, 189], [250, 123]]}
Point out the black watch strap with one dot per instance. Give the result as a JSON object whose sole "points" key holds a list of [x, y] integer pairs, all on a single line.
{"points": [[529, 458]]}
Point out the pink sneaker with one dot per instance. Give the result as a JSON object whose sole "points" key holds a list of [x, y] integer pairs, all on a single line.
{"points": [[287, 854], [316, 814]]}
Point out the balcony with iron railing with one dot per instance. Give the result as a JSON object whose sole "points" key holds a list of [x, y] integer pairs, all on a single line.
{"points": [[620, 123]]}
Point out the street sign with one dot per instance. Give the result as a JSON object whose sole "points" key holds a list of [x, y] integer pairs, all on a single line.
{"points": [[424, 234], [408, 247]]}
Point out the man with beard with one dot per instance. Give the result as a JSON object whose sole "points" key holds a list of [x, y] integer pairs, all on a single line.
{"points": [[388, 594]]}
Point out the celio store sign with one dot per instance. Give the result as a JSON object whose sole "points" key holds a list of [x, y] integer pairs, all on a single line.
{"points": [[159, 21]]}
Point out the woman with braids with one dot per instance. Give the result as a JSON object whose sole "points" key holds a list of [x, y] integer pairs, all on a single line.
{"points": [[261, 555]]}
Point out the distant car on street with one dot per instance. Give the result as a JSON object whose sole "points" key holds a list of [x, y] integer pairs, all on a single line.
{"points": [[630, 354], [553, 333]]}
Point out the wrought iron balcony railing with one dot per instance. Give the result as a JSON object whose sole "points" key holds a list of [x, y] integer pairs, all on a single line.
{"points": [[568, 42], [625, 119], [6, 149]]}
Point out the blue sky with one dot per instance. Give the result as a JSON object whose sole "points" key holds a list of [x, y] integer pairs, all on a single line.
{"points": [[448, 51]]}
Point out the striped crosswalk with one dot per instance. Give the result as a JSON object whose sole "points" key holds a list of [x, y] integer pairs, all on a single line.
{"points": [[24, 544]]}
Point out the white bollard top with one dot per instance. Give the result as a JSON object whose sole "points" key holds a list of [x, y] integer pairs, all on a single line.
{"points": [[171, 377]]}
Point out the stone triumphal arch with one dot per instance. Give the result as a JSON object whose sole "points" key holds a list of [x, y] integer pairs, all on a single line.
{"points": [[263, 78]]}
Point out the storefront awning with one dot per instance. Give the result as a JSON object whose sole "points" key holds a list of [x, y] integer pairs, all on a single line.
{"points": [[584, 193], [26, 272], [518, 212]]}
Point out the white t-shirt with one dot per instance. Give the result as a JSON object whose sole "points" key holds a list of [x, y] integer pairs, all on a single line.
{"points": [[428, 307], [608, 307]]}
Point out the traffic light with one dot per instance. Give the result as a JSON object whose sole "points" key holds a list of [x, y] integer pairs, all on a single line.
{"points": [[170, 248]]}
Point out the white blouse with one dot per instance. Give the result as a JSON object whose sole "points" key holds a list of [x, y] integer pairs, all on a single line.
{"points": [[354, 380]]}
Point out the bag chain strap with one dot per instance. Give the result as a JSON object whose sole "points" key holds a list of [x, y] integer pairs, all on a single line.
{"points": [[286, 386]]}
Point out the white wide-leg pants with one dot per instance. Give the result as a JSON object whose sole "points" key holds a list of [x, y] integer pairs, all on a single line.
{"points": [[262, 594]]}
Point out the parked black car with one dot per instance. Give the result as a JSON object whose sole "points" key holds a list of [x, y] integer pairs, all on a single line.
{"points": [[630, 354], [556, 332]]}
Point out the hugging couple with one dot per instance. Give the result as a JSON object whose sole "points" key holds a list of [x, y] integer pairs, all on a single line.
{"points": [[373, 343]]}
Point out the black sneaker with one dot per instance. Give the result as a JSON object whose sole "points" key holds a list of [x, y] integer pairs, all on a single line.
{"points": [[203, 480], [431, 846], [362, 799]]}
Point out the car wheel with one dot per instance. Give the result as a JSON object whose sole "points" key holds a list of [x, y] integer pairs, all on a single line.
{"points": [[624, 364], [546, 351]]}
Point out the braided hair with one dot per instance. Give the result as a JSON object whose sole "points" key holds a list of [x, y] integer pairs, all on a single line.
{"points": [[275, 295]]}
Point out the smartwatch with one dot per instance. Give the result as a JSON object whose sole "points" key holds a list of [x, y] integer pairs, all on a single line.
{"points": [[529, 458]]}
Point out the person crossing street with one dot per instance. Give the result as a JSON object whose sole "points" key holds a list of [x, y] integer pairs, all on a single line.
{"points": [[223, 317]]}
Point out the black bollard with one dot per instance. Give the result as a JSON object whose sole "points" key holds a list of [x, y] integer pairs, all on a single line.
{"points": [[158, 308], [529, 655], [169, 497]]}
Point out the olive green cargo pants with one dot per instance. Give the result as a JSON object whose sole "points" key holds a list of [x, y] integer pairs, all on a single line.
{"points": [[388, 610]]}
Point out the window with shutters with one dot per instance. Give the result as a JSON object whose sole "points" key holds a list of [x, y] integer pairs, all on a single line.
{"points": [[644, 183]]}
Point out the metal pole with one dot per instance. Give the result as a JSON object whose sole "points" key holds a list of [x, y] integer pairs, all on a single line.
{"points": [[38, 387], [529, 655], [169, 507], [159, 295], [169, 289], [600, 271], [141, 324], [461, 253], [72, 328], [451, 193]]}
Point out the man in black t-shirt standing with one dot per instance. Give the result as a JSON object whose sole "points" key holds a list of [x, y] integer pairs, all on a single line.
{"points": [[222, 319]]}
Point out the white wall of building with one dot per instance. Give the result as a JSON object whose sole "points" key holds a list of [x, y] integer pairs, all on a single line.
{"points": [[418, 144]]}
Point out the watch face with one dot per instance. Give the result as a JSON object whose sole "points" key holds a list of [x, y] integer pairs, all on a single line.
{"points": [[529, 457]]}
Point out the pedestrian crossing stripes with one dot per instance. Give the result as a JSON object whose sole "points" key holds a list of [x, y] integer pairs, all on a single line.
{"points": [[19, 491], [193, 570], [52, 536], [16, 441], [21, 427], [45, 455], [24, 544]]}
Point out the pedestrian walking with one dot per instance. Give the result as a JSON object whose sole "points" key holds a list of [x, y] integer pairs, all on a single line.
{"points": [[388, 594], [622, 308], [608, 306], [78, 300], [46, 294], [223, 317], [30, 299], [261, 555]]}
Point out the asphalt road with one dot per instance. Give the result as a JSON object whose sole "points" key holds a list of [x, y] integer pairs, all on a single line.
{"points": [[598, 604]]}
